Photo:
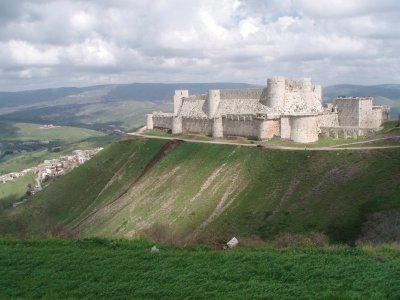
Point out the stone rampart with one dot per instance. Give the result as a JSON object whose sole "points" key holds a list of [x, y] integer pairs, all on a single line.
{"points": [[255, 93], [201, 125]]}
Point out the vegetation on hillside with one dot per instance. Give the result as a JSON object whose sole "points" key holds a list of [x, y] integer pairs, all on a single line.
{"points": [[200, 192], [15, 191]]}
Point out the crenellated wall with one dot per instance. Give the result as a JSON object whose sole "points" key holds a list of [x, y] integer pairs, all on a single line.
{"points": [[240, 127], [162, 121], [201, 125]]}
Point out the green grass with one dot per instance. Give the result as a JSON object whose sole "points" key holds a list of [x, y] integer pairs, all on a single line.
{"points": [[28, 132], [202, 192], [113, 269], [14, 191]]}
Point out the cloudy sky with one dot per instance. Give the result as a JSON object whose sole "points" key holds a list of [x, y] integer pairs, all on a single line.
{"points": [[79, 43]]}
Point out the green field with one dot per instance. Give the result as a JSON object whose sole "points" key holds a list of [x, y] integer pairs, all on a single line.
{"points": [[186, 192], [28, 132], [113, 269], [14, 191]]}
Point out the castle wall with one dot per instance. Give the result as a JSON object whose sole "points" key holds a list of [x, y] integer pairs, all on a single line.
{"points": [[366, 118], [242, 93], [285, 128], [348, 111], [303, 129], [240, 127], [201, 125], [377, 117], [162, 121], [328, 120]]}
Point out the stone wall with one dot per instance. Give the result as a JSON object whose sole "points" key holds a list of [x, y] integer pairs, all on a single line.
{"points": [[242, 93], [162, 121], [285, 128], [328, 120], [303, 129], [201, 125], [348, 111], [235, 127]]}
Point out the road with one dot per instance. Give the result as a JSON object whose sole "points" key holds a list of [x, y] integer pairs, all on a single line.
{"points": [[278, 147]]}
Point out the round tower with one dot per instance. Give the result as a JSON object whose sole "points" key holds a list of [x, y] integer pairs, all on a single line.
{"points": [[213, 98], [275, 91], [303, 128], [176, 125], [217, 130], [149, 121]]}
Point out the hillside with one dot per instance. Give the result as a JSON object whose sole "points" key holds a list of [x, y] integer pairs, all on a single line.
{"points": [[161, 188]]}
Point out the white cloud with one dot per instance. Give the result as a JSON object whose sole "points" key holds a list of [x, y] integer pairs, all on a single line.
{"points": [[198, 40]]}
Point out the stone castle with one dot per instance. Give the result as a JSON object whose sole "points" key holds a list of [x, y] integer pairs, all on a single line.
{"points": [[286, 108]]}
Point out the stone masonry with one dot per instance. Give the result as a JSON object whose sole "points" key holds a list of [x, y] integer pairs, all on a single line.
{"points": [[286, 108]]}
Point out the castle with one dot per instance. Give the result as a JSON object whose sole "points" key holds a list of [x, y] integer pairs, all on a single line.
{"points": [[286, 108]]}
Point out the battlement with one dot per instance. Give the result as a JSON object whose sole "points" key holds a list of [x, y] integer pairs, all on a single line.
{"points": [[289, 108]]}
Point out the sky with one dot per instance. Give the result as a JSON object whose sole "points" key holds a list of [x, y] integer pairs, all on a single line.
{"points": [[79, 43]]}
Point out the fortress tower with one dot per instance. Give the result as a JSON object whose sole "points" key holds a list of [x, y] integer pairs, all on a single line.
{"points": [[213, 99], [275, 92], [178, 98]]}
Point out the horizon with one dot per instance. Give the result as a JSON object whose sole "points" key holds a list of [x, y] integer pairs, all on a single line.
{"points": [[52, 44], [175, 83]]}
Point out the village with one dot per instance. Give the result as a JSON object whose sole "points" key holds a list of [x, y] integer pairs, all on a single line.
{"points": [[53, 167]]}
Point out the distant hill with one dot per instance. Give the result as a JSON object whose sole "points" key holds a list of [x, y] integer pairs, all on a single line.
{"points": [[159, 92], [209, 193], [123, 106], [102, 107]]}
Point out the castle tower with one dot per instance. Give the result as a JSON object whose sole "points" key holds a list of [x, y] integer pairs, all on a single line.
{"points": [[303, 128], [305, 84], [213, 98], [176, 125], [262, 133], [217, 130], [149, 121], [178, 98], [275, 92]]}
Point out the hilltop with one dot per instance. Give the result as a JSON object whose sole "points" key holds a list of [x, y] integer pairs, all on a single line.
{"points": [[181, 192]]}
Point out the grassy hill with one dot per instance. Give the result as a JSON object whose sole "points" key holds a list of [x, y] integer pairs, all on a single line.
{"points": [[96, 268], [186, 192]]}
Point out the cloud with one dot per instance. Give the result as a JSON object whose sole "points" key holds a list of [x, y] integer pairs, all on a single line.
{"points": [[56, 43]]}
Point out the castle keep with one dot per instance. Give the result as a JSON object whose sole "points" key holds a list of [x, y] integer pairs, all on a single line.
{"points": [[286, 108]]}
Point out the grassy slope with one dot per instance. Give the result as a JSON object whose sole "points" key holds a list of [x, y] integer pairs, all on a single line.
{"points": [[120, 269], [28, 132], [211, 192], [83, 189], [14, 191]]}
